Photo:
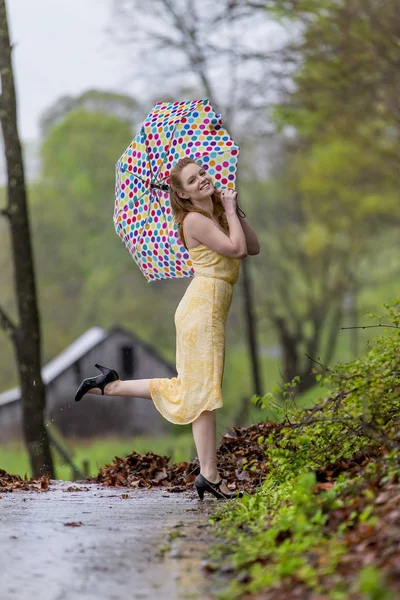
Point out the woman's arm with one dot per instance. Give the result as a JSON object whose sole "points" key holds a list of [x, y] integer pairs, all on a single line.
{"points": [[205, 232], [253, 245]]}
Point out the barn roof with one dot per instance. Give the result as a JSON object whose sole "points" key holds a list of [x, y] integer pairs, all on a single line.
{"points": [[91, 338]]}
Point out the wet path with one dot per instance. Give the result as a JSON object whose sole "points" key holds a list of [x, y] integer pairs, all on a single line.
{"points": [[111, 553]]}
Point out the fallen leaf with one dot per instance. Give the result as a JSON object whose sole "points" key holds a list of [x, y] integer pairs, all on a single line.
{"points": [[44, 483], [327, 485]]}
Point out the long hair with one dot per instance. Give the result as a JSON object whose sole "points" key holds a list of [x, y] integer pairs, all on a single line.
{"points": [[181, 207]]}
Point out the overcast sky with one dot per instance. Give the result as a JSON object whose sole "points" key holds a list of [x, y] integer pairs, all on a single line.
{"points": [[61, 47]]}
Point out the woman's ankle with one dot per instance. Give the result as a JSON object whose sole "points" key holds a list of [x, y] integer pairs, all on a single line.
{"points": [[111, 389], [212, 476]]}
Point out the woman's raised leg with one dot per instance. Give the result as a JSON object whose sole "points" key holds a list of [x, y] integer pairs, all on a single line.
{"points": [[137, 388]]}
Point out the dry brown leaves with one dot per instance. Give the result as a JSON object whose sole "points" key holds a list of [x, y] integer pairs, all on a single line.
{"points": [[74, 488], [375, 541], [371, 511], [11, 483], [146, 470], [241, 460]]}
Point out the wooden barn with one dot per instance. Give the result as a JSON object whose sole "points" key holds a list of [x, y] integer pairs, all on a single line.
{"points": [[94, 415]]}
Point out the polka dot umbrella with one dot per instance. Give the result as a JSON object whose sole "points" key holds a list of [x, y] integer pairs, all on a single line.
{"points": [[143, 216]]}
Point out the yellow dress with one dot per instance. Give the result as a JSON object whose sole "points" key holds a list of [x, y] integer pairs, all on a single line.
{"points": [[200, 339]]}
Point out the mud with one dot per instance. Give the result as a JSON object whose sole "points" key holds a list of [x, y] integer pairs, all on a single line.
{"points": [[97, 543]]}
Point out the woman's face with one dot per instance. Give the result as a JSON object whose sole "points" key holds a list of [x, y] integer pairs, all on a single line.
{"points": [[196, 183]]}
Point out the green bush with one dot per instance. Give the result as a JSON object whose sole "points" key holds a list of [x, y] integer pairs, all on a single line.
{"points": [[280, 532]]}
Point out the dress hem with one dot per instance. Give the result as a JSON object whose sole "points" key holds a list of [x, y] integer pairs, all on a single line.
{"points": [[158, 405]]}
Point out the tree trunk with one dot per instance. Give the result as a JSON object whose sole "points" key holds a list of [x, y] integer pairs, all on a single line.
{"points": [[291, 359], [26, 336], [288, 343], [251, 329], [351, 309], [333, 332], [293, 364]]}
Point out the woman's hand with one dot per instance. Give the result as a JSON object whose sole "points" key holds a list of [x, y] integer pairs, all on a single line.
{"points": [[228, 201]]}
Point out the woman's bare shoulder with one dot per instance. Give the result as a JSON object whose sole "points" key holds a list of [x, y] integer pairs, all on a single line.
{"points": [[190, 227], [194, 217], [193, 221]]}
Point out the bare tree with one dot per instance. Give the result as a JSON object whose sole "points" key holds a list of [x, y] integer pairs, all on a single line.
{"points": [[229, 52], [26, 334]]}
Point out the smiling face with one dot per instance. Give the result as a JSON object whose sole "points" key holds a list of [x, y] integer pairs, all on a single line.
{"points": [[196, 184]]}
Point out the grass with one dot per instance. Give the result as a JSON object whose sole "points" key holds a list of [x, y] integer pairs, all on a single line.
{"points": [[99, 452]]}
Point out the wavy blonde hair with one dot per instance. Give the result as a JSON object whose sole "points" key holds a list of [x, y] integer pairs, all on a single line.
{"points": [[181, 207]]}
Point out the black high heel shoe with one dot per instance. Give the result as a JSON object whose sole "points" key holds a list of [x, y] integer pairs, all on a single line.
{"points": [[96, 382], [203, 485]]}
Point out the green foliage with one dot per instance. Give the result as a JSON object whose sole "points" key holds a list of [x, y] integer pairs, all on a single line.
{"points": [[345, 187], [322, 230], [342, 110], [349, 73], [371, 584], [107, 102], [280, 533], [364, 401], [336, 183]]}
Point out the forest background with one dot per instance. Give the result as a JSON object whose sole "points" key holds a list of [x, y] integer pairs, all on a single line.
{"points": [[310, 91]]}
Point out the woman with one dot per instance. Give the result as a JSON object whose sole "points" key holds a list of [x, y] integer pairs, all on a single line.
{"points": [[216, 239]]}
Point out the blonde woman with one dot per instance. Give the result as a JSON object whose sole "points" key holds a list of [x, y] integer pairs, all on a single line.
{"points": [[217, 235]]}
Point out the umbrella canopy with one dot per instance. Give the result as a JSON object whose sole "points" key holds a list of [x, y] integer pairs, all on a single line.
{"points": [[143, 215]]}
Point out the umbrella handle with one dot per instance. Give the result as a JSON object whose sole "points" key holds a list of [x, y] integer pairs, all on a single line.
{"points": [[165, 188], [160, 186], [240, 212]]}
